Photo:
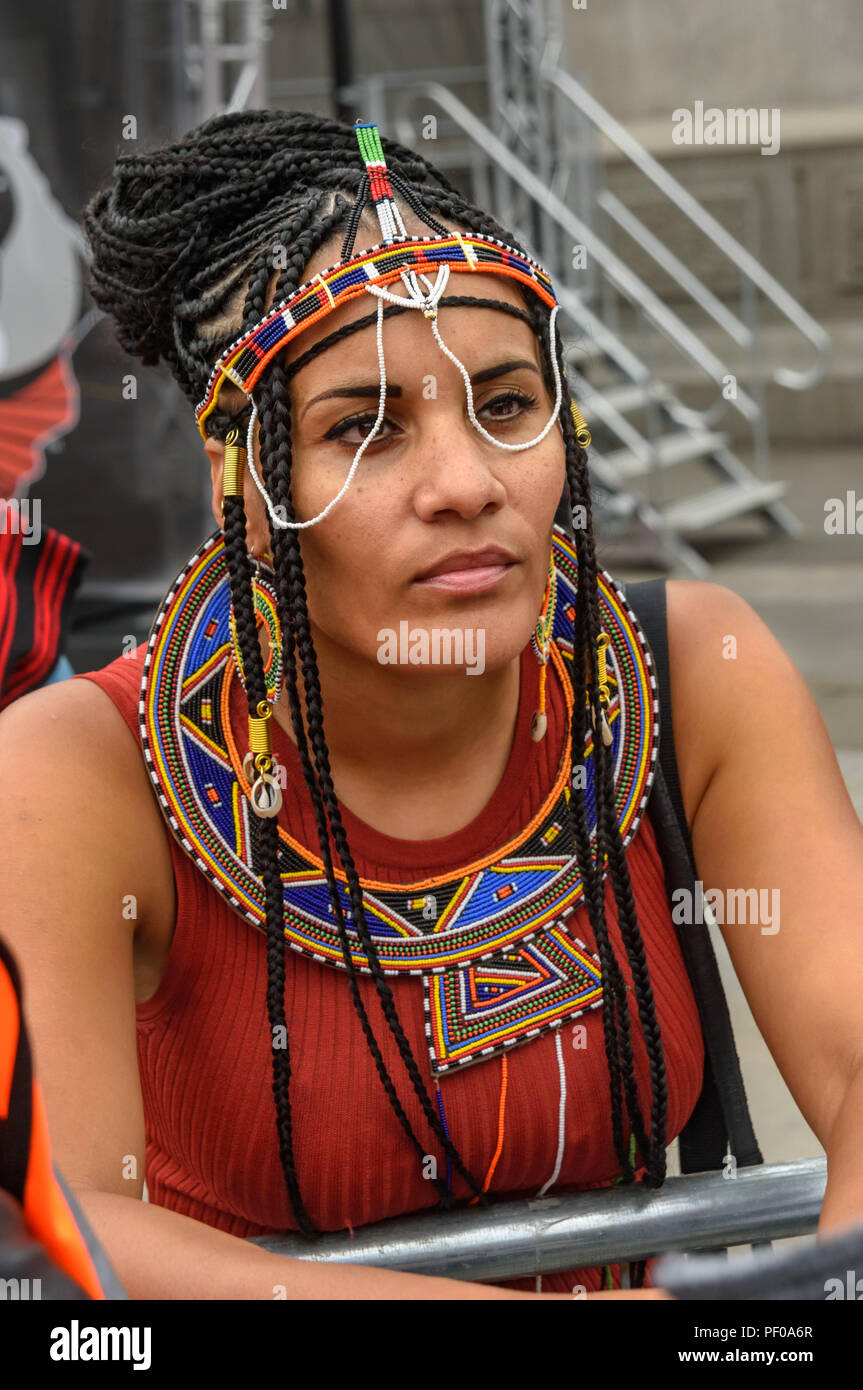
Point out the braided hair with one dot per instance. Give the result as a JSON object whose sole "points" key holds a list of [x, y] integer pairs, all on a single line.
{"points": [[182, 245]]}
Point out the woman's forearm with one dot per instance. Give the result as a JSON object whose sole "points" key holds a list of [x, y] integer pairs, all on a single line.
{"points": [[843, 1197], [160, 1254]]}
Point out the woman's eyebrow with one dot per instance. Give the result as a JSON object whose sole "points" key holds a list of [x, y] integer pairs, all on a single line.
{"points": [[373, 388]]}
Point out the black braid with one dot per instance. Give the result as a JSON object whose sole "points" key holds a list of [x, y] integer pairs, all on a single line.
{"points": [[183, 242], [416, 206], [607, 826], [652, 1149], [584, 645], [353, 220], [239, 570]]}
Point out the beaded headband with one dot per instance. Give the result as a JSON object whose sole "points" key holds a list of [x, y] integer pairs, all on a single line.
{"points": [[397, 256], [244, 360]]}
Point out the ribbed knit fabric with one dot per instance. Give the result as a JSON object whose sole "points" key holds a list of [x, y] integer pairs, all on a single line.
{"points": [[204, 1043]]}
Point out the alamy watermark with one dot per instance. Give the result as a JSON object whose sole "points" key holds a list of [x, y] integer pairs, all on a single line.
{"points": [[851, 1288], [722, 907], [20, 1290], [77, 1343], [735, 126], [436, 646], [843, 516], [22, 517]]}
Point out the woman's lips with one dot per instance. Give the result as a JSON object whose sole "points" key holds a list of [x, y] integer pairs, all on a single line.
{"points": [[468, 581], [468, 571]]}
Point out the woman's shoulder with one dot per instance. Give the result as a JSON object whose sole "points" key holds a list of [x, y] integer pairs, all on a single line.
{"points": [[120, 680], [71, 764]]}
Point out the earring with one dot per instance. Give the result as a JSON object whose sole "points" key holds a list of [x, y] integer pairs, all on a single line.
{"points": [[266, 609], [541, 642]]}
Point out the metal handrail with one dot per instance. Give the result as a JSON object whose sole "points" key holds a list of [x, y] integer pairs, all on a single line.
{"points": [[615, 270], [354, 91], [583, 1229], [674, 267], [578, 96]]}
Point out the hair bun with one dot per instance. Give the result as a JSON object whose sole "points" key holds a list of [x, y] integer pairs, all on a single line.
{"points": [[176, 228]]}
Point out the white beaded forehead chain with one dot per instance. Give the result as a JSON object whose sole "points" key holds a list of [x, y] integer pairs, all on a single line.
{"points": [[392, 227]]}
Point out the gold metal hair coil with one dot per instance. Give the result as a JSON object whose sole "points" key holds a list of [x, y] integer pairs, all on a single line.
{"points": [[259, 733], [582, 433], [233, 466]]}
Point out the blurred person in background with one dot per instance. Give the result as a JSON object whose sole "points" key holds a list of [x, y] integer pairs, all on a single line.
{"points": [[40, 295]]}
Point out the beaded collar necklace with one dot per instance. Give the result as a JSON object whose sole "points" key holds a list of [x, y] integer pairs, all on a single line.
{"points": [[497, 962]]}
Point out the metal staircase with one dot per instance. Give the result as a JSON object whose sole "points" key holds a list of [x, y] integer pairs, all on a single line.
{"points": [[660, 467], [533, 161]]}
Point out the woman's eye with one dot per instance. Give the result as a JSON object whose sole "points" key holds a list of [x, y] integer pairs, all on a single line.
{"points": [[510, 398], [363, 423]]}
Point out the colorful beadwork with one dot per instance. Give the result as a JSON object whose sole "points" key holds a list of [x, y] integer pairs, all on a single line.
{"points": [[505, 998], [497, 962], [266, 614], [245, 359], [380, 188]]}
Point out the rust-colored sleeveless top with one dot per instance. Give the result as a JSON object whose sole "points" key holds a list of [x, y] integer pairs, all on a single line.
{"points": [[204, 1046]]}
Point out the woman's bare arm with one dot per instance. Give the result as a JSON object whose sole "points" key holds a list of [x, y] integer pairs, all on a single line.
{"points": [[161, 1254], [770, 811]]}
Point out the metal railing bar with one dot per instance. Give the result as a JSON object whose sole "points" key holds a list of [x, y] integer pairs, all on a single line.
{"points": [[636, 370], [583, 1229], [320, 86], [712, 229], [596, 331], [676, 550], [673, 266], [244, 86]]}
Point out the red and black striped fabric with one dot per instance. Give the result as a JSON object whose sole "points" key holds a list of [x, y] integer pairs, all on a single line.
{"points": [[38, 578]]}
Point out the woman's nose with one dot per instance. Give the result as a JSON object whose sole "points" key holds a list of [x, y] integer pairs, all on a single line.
{"points": [[456, 473]]}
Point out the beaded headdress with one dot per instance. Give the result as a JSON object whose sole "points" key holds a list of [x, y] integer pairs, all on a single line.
{"points": [[396, 257]]}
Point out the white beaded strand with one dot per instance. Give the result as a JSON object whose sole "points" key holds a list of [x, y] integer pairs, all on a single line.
{"points": [[282, 522], [561, 1117], [427, 302], [558, 390]]}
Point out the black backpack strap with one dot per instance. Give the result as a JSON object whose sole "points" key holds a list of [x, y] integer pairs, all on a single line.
{"points": [[721, 1118]]}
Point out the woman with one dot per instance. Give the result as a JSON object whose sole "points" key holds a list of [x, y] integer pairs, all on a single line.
{"points": [[425, 1041]]}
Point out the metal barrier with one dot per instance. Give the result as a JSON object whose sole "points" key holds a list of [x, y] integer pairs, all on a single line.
{"points": [[584, 1229]]}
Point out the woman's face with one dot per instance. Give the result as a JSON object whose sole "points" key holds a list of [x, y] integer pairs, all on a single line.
{"points": [[430, 494]]}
